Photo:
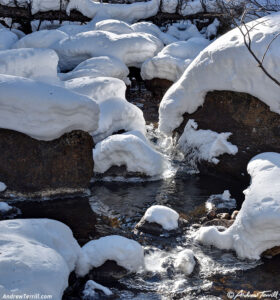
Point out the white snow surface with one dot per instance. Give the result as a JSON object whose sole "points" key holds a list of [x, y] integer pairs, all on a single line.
{"points": [[102, 66], [91, 286], [41, 39], [125, 12], [114, 26], [130, 149], [37, 64], [35, 252], [132, 49], [257, 225], [162, 215], [185, 261], [44, 111], [7, 39], [3, 186], [4, 207], [99, 88], [171, 62], [207, 144], [127, 253], [169, 6], [226, 64]]}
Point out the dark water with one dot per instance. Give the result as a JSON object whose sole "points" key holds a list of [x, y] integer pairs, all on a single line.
{"points": [[115, 207]]}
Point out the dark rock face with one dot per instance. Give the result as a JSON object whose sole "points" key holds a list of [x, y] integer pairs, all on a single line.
{"points": [[158, 86], [255, 129], [28, 165]]}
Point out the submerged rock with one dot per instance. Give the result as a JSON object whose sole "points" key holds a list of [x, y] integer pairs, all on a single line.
{"points": [[248, 119], [33, 166]]}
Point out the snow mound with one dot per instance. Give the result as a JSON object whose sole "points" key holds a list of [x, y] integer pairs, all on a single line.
{"points": [[91, 286], [125, 12], [7, 39], [257, 225], [35, 252], [127, 253], [4, 207], [118, 114], [206, 144], [41, 39], [3, 186], [102, 66], [226, 64], [169, 6], [171, 61], [37, 64], [162, 215], [218, 201], [114, 26], [185, 261], [132, 150], [132, 49], [44, 111], [99, 89], [183, 30]]}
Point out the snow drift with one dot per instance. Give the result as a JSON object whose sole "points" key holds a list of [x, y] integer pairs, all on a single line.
{"points": [[257, 225], [226, 64]]}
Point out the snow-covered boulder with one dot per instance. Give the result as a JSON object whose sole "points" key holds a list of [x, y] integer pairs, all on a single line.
{"points": [[35, 252], [2, 186], [185, 261], [125, 12], [132, 150], [44, 111], [7, 39], [183, 30], [37, 64], [127, 253], [257, 225], [132, 49], [41, 39], [99, 88], [171, 61], [102, 66], [118, 114], [114, 26], [226, 64]]}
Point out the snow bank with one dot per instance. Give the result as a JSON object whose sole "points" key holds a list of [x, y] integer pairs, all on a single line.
{"points": [[99, 89], [118, 114], [37, 64], [185, 261], [44, 111], [207, 144], [226, 65], [130, 149], [114, 26], [162, 215], [171, 61], [41, 39], [125, 12], [132, 49], [126, 253], [257, 225], [102, 66], [35, 252], [7, 39]]}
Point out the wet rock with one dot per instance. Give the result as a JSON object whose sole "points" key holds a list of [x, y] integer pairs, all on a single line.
{"points": [[33, 166], [211, 214], [272, 252], [158, 86], [108, 272], [219, 222], [224, 216], [234, 214], [116, 171], [255, 129], [157, 230]]}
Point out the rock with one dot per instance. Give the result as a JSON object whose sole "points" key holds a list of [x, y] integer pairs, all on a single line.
{"points": [[211, 214], [158, 86], [45, 167], [108, 272], [223, 216], [156, 229], [255, 129], [234, 214], [219, 222], [272, 252]]}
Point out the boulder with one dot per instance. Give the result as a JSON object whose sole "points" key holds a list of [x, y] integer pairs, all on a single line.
{"points": [[28, 165], [158, 86], [254, 127]]}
